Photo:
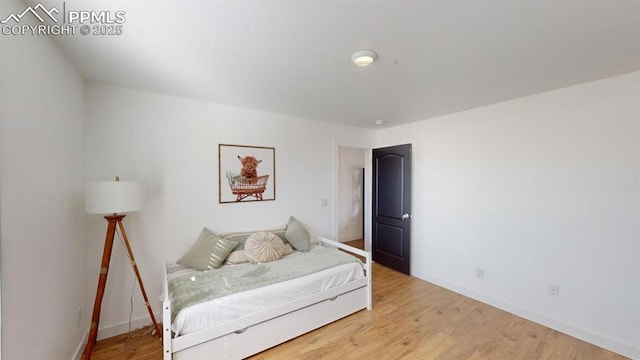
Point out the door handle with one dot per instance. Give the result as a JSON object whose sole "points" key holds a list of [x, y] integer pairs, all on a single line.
{"points": [[405, 216]]}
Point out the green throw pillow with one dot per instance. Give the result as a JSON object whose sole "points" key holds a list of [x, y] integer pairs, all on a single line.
{"points": [[208, 252], [297, 235]]}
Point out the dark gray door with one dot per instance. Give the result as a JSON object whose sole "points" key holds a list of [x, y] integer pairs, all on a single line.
{"points": [[391, 207]]}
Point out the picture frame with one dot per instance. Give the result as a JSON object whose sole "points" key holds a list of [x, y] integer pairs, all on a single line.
{"points": [[246, 173]]}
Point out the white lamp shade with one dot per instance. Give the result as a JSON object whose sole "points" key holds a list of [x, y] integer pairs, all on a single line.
{"points": [[111, 197]]}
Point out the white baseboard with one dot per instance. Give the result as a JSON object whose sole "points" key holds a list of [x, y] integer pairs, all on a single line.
{"points": [[80, 348], [113, 330], [123, 327], [598, 340], [350, 238]]}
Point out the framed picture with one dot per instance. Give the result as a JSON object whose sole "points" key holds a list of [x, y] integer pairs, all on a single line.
{"points": [[246, 173]]}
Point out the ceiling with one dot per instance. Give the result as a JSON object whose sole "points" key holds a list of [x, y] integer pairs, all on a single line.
{"points": [[293, 56]]}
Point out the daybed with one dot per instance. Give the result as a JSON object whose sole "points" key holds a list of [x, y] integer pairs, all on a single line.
{"points": [[240, 324]]}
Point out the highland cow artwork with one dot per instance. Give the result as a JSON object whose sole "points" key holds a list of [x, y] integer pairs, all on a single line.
{"points": [[246, 173], [249, 169]]}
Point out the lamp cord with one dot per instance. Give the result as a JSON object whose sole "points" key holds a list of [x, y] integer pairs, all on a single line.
{"points": [[133, 285]]}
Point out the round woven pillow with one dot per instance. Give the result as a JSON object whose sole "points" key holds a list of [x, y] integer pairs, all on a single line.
{"points": [[263, 247]]}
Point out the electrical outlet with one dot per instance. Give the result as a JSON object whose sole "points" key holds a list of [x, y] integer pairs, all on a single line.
{"points": [[79, 316], [480, 273], [554, 290]]}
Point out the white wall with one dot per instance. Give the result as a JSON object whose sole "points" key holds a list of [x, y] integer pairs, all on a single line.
{"points": [[42, 231], [543, 189], [350, 193], [172, 144]]}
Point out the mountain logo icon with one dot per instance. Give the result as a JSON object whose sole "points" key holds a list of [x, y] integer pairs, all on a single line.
{"points": [[39, 11]]}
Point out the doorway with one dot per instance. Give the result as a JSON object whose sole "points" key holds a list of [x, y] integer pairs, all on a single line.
{"points": [[350, 199]]}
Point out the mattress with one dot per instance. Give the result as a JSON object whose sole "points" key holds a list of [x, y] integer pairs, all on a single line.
{"points": [[231, 307]]}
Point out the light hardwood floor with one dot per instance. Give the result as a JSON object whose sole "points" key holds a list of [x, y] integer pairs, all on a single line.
{"points": [[410, 319]]}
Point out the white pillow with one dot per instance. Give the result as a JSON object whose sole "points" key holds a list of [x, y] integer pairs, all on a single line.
{"points": [[263, 247]]}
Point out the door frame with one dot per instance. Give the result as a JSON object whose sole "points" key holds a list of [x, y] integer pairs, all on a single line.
{"points": [[367, 147]]}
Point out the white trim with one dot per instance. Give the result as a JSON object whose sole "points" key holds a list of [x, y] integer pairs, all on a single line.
{"points": [[123, 327], [78, 354], [582, 334]]}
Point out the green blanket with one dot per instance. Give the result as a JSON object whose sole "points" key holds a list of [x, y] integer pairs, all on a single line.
{"points": [[191, 289]]}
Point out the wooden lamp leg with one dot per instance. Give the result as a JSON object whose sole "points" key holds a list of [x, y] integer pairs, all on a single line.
{"points": [[102, 282], [135, 269], [114, 220]]}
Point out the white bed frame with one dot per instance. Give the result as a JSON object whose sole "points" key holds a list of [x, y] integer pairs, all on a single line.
{"points": [[254, 333]]}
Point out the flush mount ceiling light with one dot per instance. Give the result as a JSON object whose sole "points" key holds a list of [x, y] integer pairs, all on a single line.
{"points": [[364, 57]]}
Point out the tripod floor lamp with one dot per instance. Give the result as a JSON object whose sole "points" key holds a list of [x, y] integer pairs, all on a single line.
{"points": [[113, 198]]}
